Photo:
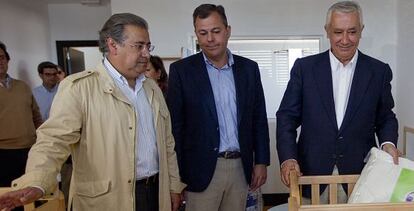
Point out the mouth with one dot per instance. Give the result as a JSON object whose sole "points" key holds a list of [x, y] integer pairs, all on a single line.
{"points": [[212, 47]]}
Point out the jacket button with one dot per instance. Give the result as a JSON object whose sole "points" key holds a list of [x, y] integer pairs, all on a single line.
{"points": [[129, 181], [130, 128], [340, 137], [341, 156]]}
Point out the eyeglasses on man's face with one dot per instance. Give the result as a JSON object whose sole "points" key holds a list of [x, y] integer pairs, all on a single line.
{"points": [[140, 47]]}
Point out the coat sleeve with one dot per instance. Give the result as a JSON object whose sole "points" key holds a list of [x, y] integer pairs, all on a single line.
{"points": [[175, 106], [54, 138], [37, 116], [176, 186], [386, 123], [260, 123], [289, 115]]}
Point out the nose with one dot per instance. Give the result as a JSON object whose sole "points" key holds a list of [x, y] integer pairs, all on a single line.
{"points": [[345, 38], [210, 37], [146, 53]]}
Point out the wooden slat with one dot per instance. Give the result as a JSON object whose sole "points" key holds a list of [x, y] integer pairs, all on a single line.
{"points": [[406, 130], [333, 192], [350, 188], [294, 186], [330, 179], [360, 207], [315, 194]]}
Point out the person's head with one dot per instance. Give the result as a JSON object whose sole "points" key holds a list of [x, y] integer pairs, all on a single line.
{"points": [[48, 73], [61, 73], [4, 60], [125, 41], [212, 31], [156, 69], [344, 27]]}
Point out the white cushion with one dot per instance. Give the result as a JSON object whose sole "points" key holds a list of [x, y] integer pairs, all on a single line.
{"points": [[379, 178]]}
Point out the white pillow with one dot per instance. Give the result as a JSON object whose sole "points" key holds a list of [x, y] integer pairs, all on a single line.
{"points": [[383, 181]]}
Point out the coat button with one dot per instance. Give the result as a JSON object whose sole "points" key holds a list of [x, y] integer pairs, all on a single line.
{"points": [[130, 128], [129, 181]]}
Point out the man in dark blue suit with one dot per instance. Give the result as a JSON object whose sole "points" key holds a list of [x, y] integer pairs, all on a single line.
{"points": [[340, 98], [218, 118]]}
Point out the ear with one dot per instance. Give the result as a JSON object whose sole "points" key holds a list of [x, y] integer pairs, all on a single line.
{"points": [[112, 46], [326, 30], [228, 31]]}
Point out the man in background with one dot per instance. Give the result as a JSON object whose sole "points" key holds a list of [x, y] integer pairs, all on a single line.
{"points": [[45, 93], [19, 118]]}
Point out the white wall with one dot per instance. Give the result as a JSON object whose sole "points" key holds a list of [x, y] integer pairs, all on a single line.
{"points": [[76, 22], [405, 74], [24, 28], [170, 25]]}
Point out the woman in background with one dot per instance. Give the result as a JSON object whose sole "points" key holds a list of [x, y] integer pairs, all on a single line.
{"points": [[157, 72]]}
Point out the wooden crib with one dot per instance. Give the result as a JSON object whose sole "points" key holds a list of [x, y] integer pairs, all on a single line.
{"points": [[295, 198]]}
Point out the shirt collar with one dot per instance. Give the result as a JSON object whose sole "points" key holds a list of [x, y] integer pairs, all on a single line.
{"points": [[8, 81], [51, 90], [230, 61], [335, 61], [120, 78]]}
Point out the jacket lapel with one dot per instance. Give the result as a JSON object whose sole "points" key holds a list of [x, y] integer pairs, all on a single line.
{"points": [[109, 86], [323, 78], [360, 84], [202, 80], [155, 104], [241, 88]]}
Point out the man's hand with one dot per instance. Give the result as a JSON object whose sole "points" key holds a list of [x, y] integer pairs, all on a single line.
{"points": [[393, 151], [285, 169], [259, 176], [175, 201], [13, 199]]}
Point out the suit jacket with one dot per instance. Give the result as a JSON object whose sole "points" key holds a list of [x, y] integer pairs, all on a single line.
{"points": [[195, 122], [93, 121], [308, 102]]}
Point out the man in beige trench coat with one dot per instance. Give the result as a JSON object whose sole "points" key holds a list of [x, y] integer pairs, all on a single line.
{"points": [[116, 126]]}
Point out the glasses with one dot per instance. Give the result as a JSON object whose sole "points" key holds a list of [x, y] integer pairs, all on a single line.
{"points": [[140, 47]]}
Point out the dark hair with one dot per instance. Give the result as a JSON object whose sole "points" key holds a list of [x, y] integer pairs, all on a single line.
{"points": [[4, 48], [44, 65], [158, 65], [114, 28], [204, 11]]}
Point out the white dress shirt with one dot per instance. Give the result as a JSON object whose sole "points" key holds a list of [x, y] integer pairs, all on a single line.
{"points": [[146, 144], [341, 81]]}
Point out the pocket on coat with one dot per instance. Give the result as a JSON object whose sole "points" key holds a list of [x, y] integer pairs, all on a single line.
{"points": [[92, 189]]}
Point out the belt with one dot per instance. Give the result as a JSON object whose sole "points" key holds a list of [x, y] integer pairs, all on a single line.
{"points": [[229, 154], [149, 180]]}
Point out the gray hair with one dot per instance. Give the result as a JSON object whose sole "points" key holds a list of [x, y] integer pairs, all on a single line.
{"points": [[344, 7], [114, 28]]}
